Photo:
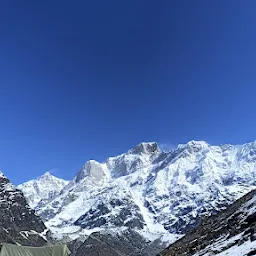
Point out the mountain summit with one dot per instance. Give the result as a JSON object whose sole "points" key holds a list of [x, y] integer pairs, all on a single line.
{"points": [[145, 148], [44, 188]]}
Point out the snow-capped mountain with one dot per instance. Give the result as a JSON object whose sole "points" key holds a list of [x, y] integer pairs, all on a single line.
{"points": [[231, 232], [152, 192], [42, 190], [18, 222]]}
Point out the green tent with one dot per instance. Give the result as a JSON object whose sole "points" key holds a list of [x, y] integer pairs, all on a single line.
{"points": [[17, 250]]}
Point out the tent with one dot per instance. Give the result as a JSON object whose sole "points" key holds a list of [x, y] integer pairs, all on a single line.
{"points": [[17, 250]]}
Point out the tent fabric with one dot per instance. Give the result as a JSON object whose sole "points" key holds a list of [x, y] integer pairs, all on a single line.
{"points": [[60, 250], [16, 250]]}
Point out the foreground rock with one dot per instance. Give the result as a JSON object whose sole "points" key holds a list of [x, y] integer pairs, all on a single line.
{"points": [[232, 232], [18, 222]]}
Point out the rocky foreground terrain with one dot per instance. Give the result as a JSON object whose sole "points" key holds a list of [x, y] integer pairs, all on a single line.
{"points": [[231, 232], [18, 222]]}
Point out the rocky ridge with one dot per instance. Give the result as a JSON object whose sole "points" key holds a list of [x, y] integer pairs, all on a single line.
{"points": [[18, 223]]}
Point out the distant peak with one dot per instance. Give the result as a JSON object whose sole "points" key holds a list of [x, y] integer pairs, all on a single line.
{"points": [[145, 148], [197, 144], [88, 165], [89, 169], [47, 175], [91, 162]]}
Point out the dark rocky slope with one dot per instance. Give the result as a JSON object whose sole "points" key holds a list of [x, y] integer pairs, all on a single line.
{"points": [[18, 222], [224, 232], [122, 243]]}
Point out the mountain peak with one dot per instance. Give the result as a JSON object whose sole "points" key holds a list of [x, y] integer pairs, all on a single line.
{"points": [[47, 174], [92, 169], [145, 148], [45, 187], [194, 144], [1, 174]]}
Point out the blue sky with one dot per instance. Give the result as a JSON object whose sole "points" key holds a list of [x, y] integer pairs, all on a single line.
{"points": [[86, 80]]}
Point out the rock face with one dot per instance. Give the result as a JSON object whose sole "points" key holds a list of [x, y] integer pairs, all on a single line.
{"points": [[42, 190], [122, 242], [103, 214], [151, 192], [231, 232], [18, 222]]}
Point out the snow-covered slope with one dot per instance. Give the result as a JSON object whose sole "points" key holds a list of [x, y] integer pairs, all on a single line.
{"points": [[231, 233], [151, 191], [42, 190]]}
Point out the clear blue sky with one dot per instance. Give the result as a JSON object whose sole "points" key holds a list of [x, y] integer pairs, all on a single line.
{"points": [[86, 80]]}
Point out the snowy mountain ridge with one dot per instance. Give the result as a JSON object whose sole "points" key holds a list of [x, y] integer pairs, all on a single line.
{"points": [[43, 189], [151, 191]]}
